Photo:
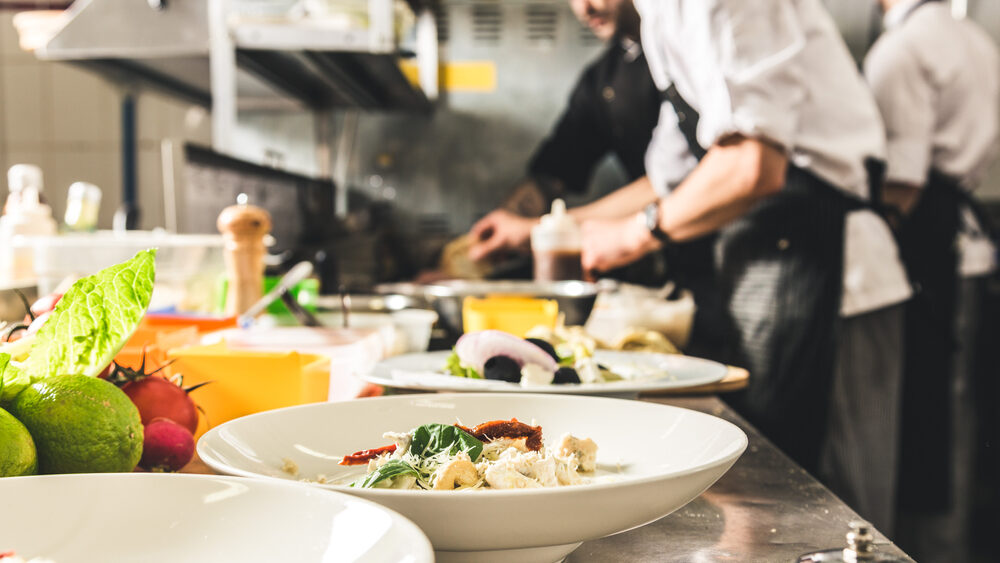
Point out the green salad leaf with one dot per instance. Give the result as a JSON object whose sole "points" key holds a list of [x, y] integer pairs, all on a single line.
{"points": [[12, 379], [392, 469], [432, 439], [454, 366], [93, 320]]}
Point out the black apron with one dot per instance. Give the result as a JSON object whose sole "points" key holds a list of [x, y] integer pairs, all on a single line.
{"points": [[777, 286], [927, 247]]}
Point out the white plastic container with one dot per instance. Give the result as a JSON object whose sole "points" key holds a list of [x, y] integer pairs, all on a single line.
{"points": [[187, 266], [555, 244], [25, 214]]}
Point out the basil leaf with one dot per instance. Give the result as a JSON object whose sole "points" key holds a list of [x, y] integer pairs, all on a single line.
{"points": [[93, 320], [432, 439], [390, 470], [454, 366]]}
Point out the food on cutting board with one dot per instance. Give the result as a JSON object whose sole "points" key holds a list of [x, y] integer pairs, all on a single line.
{"points": [[48, 380], [500, 454]]}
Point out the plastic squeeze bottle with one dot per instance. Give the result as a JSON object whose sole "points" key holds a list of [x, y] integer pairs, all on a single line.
{"points": [[555, 244], [25, 213]]}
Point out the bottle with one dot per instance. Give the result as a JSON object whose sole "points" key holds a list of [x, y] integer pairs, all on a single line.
{"points": [[25, 213], [555, 245], [83, 203]]}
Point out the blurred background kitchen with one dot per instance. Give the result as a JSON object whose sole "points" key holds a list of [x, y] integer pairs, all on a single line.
{"points": [[373, 131], [410, 171]]}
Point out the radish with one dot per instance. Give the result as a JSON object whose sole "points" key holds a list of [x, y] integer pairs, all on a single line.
{"points": [[156, 396], [166, 446]]}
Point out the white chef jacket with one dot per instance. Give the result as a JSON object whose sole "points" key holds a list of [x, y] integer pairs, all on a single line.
{"points": [[937, 81], [778, 70]]}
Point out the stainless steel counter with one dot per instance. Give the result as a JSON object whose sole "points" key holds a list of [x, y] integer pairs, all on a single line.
{"points": [[766, 508]]}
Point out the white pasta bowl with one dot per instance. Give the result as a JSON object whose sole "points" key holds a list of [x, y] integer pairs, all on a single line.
{"points": [[160, 518], [652, 459]]}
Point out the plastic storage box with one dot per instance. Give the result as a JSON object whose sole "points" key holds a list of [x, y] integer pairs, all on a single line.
{"points": [[187, 266]]}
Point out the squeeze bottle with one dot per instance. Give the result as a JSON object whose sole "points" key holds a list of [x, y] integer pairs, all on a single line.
{"points": [[24, 214], [555, 245]]}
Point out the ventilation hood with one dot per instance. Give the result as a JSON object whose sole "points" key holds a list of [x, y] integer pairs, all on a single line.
{"points": [[178, 45]]}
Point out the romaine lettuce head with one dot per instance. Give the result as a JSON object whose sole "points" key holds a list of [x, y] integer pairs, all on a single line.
{"points": [[93, 320]]}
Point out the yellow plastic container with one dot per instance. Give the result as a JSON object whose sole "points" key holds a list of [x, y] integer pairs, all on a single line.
{"points": [[516, 315], [245, 382], [152, 343]]}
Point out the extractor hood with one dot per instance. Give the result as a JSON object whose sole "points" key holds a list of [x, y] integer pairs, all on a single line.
{"points": [[186, 47]]}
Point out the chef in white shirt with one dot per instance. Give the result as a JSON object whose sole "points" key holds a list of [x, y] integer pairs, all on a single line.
{"points": [[778, 156], [936, 80]]}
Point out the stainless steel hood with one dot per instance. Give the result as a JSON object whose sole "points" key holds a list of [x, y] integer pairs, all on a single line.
{"points": [[169, 45]]}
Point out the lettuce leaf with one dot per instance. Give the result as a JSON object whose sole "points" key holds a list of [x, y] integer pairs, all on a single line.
{"points": [[12, 379], [93, 320], [454, 366]]}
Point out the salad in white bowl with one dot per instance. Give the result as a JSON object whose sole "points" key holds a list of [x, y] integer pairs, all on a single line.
{"points": [[499, 454]]}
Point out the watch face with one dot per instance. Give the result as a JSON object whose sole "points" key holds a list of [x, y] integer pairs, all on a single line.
{"points": [[653, 217]]}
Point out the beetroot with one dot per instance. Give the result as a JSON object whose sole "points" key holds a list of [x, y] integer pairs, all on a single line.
{"points": [[166, 446]]}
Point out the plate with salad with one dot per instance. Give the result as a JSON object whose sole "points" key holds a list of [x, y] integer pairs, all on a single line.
{"points": [[566, 363], [490, 477]]}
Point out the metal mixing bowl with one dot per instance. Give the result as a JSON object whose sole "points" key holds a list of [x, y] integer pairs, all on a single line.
{"points": [[575, 298]]}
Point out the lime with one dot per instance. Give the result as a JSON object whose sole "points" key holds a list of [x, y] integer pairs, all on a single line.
{"points": [[17, 449], [80, 424]]}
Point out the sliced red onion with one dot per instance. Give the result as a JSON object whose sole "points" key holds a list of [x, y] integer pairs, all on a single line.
{"points": [[474, 348]]}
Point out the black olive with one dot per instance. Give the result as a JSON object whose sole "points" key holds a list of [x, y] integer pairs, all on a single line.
{"points": [[502, 368], [544, 346], [566, 375]]}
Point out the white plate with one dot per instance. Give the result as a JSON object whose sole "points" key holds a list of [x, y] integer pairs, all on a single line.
{"points": [[662, 457], [160, 518], [425, 372]]}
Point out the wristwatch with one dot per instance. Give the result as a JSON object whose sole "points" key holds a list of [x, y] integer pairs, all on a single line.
{"points": [[652, 215]]}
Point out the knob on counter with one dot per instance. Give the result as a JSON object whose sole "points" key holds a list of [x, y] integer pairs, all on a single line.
{"points": [[244, 227], [860, 549]]}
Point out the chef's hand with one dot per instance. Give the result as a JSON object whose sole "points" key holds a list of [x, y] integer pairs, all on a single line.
{"points": [[612, 243], [499, 230]]}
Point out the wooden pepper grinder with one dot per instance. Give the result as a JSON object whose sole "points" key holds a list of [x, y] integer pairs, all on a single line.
{"points": [[244, 227]]}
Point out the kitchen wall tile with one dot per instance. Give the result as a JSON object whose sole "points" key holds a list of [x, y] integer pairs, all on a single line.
{"points": [[10, 51], [81, 112], [24, 110]]}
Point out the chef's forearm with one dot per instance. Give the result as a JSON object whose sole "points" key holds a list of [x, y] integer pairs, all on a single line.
{"points": [[620, 203], [730, 179]]}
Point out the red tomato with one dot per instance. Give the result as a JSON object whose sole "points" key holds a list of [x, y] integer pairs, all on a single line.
{"points": [[158, 397]]}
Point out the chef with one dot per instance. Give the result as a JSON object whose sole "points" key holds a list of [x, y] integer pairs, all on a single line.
{"points": [[779, 156], [937, 82], [613, 109]]}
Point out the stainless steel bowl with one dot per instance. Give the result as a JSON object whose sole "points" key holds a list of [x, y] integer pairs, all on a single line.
{"points": [[365, 303], [575, 298]]}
